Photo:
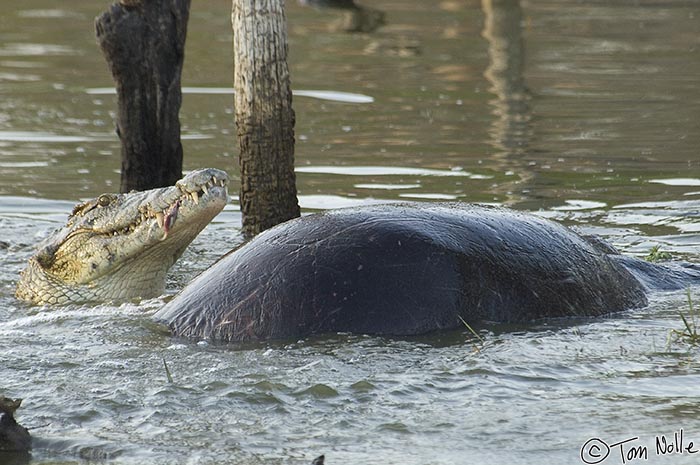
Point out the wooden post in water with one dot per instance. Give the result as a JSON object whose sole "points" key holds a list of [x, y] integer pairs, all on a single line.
{"points": [[144, 42], [264, 114]]}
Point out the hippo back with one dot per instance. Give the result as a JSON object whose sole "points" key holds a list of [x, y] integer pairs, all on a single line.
{"points": [[399, 270]]}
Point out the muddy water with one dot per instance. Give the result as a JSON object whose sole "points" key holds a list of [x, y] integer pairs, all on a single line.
{"points": [[586, 112]]}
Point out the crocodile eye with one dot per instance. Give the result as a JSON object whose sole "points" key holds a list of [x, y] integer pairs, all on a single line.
{"points": [[104, 200]]}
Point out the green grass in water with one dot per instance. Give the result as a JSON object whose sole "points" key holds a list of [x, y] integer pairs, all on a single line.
{"points": [[167, 371], [689, 334], [656, 254], [482, 342]]}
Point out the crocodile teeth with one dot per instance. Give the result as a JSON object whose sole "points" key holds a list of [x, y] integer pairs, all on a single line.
{"points": [[205, 189], [195, 198], [160, 218]]}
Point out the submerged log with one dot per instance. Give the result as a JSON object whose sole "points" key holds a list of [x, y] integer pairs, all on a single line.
{"points": [[143, 42], [264, 114], [15, 441]]}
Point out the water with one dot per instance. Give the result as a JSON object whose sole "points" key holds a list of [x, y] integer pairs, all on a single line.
{"points": [[582, 111]]}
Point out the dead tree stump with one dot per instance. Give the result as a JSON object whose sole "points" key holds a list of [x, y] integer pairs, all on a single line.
{"points": [[144, 43], [264, 114]]}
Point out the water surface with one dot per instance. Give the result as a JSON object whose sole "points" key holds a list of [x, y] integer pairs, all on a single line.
{"points": [[582, 111]]}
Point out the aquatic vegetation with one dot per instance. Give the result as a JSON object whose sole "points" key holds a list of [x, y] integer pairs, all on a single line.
{"points": [[689, 333], [482, 341], [656, 254], [167, 372]]}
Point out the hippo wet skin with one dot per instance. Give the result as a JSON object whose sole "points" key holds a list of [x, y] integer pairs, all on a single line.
{"points": [[407, 269]]}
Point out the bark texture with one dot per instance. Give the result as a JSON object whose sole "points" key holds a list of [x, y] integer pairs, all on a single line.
{"points": [[144, 42], [264, 114]]}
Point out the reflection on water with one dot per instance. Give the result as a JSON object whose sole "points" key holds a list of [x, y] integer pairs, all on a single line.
{"points": [[678, 182], [581, 111], [503, 31], [579, 205], [28, 136], [329, 202], [332, 95], [19, 49], [380, 171], [357, 18], [510, 129]]}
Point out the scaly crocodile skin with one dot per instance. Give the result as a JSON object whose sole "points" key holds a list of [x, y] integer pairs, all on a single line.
{"points": [[119, 247]]}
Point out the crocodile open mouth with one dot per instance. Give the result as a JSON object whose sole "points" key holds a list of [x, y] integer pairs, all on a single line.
{"points": [[113, 246], [166, 217], [196, 194]]}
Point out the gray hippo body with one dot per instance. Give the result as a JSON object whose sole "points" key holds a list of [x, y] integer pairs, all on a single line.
{"points": [[404, 270]]}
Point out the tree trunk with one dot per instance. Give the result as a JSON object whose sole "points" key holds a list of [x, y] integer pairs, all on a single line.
{"points": [[264, 115], [144, 42]]}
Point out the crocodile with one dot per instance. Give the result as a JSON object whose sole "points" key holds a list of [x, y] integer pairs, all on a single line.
{"points": [[119, 247]]}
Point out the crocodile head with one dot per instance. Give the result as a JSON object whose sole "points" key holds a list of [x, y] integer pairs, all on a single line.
{"points": [[119, 247]]}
